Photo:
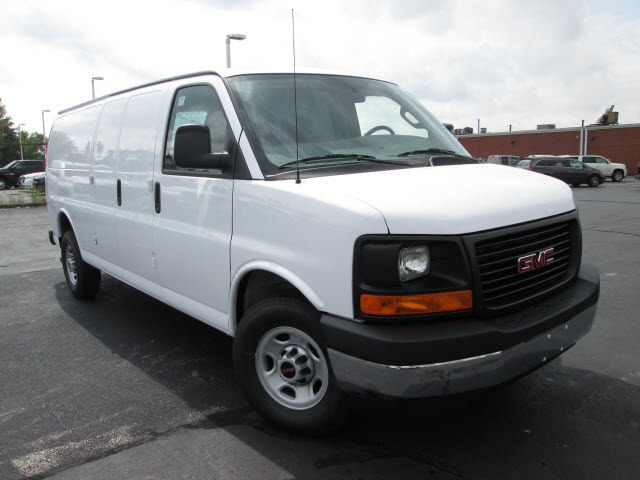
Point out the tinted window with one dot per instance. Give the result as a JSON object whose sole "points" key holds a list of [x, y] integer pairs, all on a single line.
{"points": [[562, 163], [576, 164], [544, 163], [588, 160], [601, 160], [524, 163], [197, 105]]}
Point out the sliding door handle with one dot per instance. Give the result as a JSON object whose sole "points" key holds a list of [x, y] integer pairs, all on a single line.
{"points": [[156, 196]]}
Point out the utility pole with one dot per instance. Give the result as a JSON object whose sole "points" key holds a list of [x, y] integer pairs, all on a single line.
{"points": [[93, 87], [232, 36], [478, 126], [44, 132], [20, 139]]}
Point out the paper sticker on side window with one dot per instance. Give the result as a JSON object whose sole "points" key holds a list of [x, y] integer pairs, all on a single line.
{"points": [[181, 101]]}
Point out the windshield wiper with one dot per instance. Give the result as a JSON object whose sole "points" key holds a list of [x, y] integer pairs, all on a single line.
{"points": [[347, 156], [428, 151]]}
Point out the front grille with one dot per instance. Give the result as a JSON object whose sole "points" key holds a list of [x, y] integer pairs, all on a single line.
{"points": [[497, 262]]}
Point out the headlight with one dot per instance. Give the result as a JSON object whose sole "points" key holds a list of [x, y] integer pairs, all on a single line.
{"points": [[413, 262]]}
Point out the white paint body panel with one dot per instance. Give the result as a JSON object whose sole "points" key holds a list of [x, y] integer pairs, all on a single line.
{"points": [[305, 230]]}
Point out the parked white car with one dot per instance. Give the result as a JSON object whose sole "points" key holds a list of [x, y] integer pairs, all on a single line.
{"points": [[26, 181], [317, 238], [614, 171]]}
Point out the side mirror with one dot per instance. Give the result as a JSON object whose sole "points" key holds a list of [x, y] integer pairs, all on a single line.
{"points": [[192, 149]]}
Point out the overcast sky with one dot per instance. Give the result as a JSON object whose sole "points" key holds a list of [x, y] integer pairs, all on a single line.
{"points": [[506, 62]]}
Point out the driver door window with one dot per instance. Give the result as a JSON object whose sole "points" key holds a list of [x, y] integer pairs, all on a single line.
{"points": [[197, 105]]}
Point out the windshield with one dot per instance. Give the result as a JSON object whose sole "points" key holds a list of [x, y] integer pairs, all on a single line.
{"points": [[9, 165], [336, 115]]}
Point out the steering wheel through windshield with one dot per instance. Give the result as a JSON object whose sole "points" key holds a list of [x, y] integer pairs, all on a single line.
{"points": [[378, 128]]}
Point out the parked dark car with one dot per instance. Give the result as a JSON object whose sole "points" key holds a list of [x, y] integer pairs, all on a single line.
{"points": [[10, 174], [566, 169]]}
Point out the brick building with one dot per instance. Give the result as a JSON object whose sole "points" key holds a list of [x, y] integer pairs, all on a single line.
{"points": [[618, 143]]}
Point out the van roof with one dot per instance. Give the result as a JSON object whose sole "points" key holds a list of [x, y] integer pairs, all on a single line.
{"points": [[228, 73]]}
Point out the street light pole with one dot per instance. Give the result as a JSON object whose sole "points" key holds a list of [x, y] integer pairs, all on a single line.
{"points": [[93, 87], [232, 36], [44, 134], [20, 139]]}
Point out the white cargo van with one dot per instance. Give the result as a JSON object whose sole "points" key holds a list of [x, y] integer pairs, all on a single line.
{"points": [[310, 230]]}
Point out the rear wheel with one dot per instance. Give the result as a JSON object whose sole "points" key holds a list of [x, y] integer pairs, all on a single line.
{"points": [[617, 176], [82, 279], [3, 184], [284, 369], [594, 181]]}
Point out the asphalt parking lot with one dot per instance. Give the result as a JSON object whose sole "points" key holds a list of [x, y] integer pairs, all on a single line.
{"points": [[125, 387]]}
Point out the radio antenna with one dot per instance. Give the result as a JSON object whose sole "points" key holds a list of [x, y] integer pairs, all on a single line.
{"points": [[295, 94]]}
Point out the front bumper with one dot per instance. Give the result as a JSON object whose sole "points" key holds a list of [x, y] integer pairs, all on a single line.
{"points": [[558, 324]]}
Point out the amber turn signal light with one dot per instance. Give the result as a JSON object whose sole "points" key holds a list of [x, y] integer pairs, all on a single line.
{"points": [[416, 304]]}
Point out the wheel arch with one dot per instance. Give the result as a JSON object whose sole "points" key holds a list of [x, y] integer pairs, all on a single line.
{"points": [[261, 279], [64, 223]]}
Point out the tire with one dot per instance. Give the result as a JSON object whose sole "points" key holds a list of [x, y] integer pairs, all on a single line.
{"points": [[594, 181], [283, 367], [82, 279], [617, 176], [3, 184]]}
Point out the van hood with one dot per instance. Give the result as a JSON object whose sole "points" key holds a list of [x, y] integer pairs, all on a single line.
{"points": [[454, 199]]}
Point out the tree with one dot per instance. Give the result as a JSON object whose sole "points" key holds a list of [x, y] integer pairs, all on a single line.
{"points": [[32, 143], [9, 144], [33, 146]]}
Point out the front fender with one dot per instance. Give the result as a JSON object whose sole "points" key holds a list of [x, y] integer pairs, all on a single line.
{"points": [[276, 269]]}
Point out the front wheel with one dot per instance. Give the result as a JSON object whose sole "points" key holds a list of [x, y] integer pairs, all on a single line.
{"points": [[617, 176], [594, 181], [82, 279], [283, 366]]}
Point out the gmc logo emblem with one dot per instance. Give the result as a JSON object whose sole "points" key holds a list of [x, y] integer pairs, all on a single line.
{"points": [[535, 260]]}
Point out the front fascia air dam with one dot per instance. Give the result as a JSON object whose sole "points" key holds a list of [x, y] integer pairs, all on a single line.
{"points": [[423, 359]]}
